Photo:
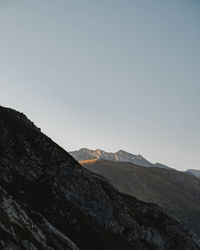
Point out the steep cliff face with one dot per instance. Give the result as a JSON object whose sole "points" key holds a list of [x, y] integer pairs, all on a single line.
{"points": [[48, 201]]}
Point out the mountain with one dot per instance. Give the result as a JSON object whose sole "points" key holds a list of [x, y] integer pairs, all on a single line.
{"points": [[194, 172], [49, 201], [177, 192], [119, 156]]}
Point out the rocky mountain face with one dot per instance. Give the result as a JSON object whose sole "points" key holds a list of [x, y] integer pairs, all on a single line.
{"points": [[194, 172], [177, 192], [119, 156], [49, 201]]}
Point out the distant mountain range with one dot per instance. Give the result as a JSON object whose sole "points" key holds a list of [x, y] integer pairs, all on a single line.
{"points": [[119, 156], [177, 192]]}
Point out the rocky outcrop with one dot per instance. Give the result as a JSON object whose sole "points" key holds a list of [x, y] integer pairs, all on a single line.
{"points": [[48, 201]]}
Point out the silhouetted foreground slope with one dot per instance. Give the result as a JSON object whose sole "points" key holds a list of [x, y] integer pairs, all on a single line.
{"points": [[177, 192], [48, 201]]}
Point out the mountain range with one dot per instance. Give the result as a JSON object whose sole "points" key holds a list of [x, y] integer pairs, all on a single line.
{"points": [[120, 155], [49, 201], [177, 192]]}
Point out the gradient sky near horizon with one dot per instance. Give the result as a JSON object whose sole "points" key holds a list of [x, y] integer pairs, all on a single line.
{"points": [[109, 74]]}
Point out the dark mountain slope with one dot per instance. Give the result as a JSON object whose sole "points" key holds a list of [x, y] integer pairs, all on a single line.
{"points": [[177, 192], [48, 201]]}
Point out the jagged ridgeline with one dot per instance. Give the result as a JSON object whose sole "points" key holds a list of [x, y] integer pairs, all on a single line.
{"points": [[48, 201]]}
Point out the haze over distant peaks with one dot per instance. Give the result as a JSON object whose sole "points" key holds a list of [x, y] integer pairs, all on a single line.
{"points": [[119, 156], [193, 172]]}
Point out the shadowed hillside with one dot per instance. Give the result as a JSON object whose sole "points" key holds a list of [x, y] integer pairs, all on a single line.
{"points": [[177, 192]]}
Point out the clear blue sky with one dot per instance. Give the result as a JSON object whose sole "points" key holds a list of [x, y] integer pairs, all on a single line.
{"points": [[107, 74]]}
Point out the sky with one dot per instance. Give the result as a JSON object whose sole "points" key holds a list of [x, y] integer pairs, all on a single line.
{"points": [[109, 74]]}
